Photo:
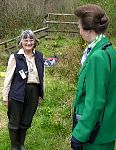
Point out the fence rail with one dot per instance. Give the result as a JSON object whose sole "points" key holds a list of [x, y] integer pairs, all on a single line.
{"points": [[60, 14], [60, 22], [63, 22]]}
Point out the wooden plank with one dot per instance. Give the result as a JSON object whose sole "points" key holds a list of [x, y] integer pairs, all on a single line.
{"points": [[60, 22], [42, 29], [60, 14], [8, 41]]}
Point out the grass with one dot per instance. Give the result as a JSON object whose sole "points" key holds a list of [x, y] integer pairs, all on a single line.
{"points": [[51, 126], [52, 122]]}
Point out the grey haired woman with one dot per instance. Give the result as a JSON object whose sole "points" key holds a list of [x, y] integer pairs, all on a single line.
{"points": [[23, 88]]}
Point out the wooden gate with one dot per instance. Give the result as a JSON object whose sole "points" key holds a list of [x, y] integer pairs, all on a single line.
{"points": [[61, 23]]}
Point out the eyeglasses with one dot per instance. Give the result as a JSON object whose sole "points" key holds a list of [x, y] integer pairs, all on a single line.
{"points": [[28, 41]]}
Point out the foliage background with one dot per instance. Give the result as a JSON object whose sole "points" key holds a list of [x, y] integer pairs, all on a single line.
{"points": [[16, 15]]}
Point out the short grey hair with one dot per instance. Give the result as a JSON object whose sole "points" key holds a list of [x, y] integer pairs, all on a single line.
{"points": [[27, 34]]}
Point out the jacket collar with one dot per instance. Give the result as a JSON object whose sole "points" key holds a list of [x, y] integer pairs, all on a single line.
{"points": [[21, 51], [100, 44]]}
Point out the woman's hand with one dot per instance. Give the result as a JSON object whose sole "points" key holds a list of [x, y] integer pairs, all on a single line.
{"points": [[75, 144]]}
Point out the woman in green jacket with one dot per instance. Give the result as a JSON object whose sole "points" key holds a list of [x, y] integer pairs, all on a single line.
{"points": [[94, 122]]}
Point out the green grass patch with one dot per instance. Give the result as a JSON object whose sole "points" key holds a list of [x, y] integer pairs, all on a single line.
{"points": [[51, 126]]}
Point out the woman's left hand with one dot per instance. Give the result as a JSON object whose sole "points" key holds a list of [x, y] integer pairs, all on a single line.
{"points": [[75, 144]]}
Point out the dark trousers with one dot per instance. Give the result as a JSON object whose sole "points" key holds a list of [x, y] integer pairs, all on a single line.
{"points": [[20, 114]]}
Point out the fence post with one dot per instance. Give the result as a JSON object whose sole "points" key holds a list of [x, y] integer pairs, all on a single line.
{"points": [[5, 45]]}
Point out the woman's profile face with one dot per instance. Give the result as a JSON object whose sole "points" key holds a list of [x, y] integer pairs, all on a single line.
{"points": [[84, 33], [28, 44]]}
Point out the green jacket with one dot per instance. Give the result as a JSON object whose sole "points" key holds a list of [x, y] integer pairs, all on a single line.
{"points": [[96, 95]]}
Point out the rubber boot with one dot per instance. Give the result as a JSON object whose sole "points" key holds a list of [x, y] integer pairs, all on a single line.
{"points": [[14, 139], [21, 138]]}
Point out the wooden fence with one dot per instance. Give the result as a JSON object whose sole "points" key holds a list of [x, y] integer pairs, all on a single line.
{"points": [[53, 22], [62, 23]]}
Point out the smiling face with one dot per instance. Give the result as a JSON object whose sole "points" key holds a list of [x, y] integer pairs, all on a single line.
{"points": [[27, 41], [28, 44]]}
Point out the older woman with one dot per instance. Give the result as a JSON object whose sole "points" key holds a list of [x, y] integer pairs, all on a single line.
{"points": [[23, 88], [94, 124]]}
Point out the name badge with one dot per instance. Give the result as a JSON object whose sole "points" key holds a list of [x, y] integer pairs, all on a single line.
{"points": [[22, 73]]}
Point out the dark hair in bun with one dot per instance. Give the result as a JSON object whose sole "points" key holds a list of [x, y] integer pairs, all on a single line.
{"points": [[92, 17]]}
